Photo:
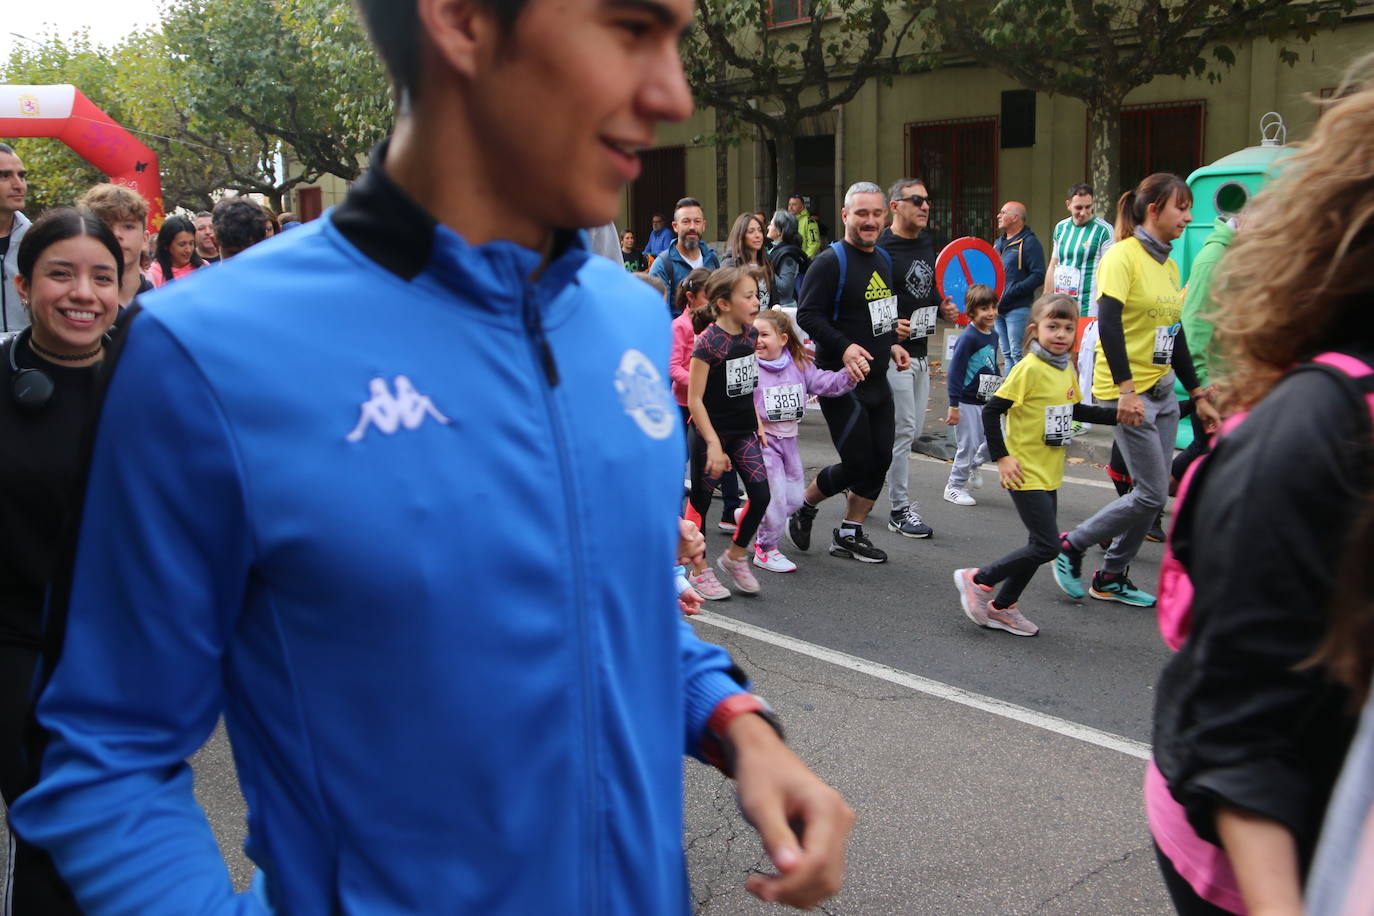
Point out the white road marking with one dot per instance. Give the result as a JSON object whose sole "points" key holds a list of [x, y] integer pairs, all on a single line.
{"points": [[1128, 746]]}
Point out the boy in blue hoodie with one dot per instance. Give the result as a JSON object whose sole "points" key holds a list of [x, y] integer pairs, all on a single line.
{"points": [[973, 377]]}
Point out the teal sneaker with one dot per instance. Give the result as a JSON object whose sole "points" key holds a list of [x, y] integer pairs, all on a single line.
{"points": [[1068, 570], [1106, 587]]}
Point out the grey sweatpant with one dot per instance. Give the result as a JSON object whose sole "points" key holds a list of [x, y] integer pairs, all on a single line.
{"points": [[1148, 450], [972, 448], [910, 398]]}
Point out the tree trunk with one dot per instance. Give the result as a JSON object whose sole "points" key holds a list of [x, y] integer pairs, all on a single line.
{"points": [[723, 218], [785, 142], [274, 197], [1104, 154]]}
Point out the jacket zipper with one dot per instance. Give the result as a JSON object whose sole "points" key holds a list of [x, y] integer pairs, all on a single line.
{"points": [[543, 355]]}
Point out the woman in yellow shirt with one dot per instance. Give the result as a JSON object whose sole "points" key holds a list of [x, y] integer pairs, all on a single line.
{"points": [[1140, 348]]}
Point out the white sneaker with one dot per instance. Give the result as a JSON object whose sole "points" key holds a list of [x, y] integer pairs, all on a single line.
{"points": [[959, 497], [975, 480], [773, 560]]}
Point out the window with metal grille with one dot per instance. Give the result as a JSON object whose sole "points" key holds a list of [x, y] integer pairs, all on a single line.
{"points": [[783, 12], [957, 160], [1159, 138]]}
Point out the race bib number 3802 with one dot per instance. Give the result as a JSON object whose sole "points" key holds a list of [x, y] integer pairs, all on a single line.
{"points": [[883, 313], [784, 402], [741, 375]]}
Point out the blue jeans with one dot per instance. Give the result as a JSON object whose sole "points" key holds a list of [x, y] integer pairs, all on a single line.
{"points": [[1011, 328]]}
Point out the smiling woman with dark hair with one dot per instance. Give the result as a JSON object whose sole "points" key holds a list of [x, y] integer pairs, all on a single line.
{"points": [[176, 255], [70, 267]]}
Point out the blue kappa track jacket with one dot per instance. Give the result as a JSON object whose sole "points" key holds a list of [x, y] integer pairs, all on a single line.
{"points": [[407, 520]]}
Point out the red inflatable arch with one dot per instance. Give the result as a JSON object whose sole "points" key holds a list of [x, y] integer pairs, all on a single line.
{"points": [[63, 113]]}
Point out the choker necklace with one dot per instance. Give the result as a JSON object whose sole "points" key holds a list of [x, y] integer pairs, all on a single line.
{"points": [[43, 351]]}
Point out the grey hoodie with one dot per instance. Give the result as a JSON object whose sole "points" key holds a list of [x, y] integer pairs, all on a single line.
{"points": [[13, 316]]}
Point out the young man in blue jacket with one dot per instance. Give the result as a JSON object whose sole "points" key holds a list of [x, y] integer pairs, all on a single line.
{"points": [[434, 707]]}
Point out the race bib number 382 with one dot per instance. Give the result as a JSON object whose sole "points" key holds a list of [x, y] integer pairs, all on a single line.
{"points": [[741, 375], [784, 402]]}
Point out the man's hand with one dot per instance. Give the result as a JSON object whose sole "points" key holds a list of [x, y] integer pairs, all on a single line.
{"points": [[691, 544], [1208, 414], [1130, 410], [900, 358], [857, 362], [804, 824], [903, 328], [949, 311]]}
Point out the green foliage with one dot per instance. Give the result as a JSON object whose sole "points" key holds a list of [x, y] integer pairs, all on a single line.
{"points": [[770, 79]]}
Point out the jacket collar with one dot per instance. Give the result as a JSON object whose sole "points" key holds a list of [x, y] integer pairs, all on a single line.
{"points": [[390, 228]]}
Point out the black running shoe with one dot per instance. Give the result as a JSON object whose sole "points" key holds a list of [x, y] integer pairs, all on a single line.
{"points": [[856, 546], [799, 526]]}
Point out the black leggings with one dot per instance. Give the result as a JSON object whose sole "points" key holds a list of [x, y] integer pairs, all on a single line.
{"points": [[729, 485], [863, 434], [746, 457], [1038, 510], [34, 885]]}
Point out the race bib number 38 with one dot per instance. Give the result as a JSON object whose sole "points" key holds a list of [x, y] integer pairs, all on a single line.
{"points": [[883, 313], [784, 402], [741, 375], [1164, 344], [1059, 425]]}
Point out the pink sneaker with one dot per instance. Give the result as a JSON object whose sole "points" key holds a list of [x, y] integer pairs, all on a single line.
{"points": [[972, 596], [739, 571], [1011, 621], [708, 586]]}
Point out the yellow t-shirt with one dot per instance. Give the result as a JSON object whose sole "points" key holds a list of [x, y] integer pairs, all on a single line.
{"points": [[1153, 310], [1038, 429]]}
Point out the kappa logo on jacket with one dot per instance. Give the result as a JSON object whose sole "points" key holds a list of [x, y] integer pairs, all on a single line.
{"points": [[388, 412], [644, 396]]}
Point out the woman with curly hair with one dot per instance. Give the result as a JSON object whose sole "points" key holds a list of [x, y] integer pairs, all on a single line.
{"points": [[1248, 739]]}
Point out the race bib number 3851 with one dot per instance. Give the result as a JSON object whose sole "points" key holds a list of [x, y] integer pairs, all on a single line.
{"points": [[883, 313], [741, 375], [784, 402]]}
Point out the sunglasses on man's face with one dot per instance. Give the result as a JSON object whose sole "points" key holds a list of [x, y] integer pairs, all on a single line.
{"points": [[916, 200]]}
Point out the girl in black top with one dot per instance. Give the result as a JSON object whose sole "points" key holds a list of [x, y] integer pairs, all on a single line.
{"points": [[70, 269], [726, 433]]}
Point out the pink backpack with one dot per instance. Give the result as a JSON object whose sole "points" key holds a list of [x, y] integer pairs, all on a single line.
{"points": [[1175, 604]]}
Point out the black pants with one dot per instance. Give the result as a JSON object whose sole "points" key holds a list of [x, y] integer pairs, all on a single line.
{"points": [[729, 484], [746, 457], [1039, 511], [34, 888], [1186, 901], [863, 433]]}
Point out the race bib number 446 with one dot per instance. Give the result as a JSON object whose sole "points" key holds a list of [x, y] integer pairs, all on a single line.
{"points": [[1059, 425], [923, 322], [741, 375], [883, 313], [784, 402]]}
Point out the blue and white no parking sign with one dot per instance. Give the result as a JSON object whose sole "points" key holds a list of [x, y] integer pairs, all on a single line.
{"points": [[965, 262]]}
